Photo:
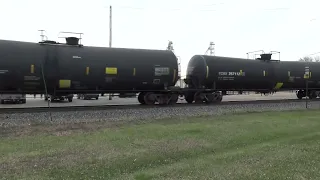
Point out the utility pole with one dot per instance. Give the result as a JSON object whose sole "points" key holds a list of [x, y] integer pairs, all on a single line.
{"points": [[170, 46], [110, 26], [110, 39]]}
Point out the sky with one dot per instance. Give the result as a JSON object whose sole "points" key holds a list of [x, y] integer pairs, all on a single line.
{"points": [[236, 27]]}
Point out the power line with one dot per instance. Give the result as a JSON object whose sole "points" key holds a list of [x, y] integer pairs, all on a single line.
{"points": [[194, 9]]}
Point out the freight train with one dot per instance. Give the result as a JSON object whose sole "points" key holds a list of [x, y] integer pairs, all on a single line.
{"points": [[60, 69], [263, 75]]}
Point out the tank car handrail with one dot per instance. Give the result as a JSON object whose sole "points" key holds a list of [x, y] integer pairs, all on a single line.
{"points": [[254, 52]]}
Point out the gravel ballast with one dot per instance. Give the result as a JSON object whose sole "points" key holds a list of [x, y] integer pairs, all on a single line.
{"points": [[22, 119]]}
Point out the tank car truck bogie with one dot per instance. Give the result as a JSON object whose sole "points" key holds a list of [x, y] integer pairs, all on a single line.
{"points": [[162, 98], [312, 94], [59, 97], [203, 97]]}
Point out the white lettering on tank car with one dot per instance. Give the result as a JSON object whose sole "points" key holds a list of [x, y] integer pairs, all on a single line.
{"points": [[240, 73], [159, 71], [3, 71], [76, 57], [31, 78], [223, 73]]}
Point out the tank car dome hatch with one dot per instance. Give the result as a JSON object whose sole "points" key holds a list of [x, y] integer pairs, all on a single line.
{"points": [[72, 40], [266, 56]]}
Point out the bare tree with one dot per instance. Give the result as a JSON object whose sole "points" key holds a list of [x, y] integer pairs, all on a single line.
{"points": [[317, 59], [306, 59]]}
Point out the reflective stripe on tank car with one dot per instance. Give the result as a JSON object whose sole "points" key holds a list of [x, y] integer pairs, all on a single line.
{"points": [[207, 74], [31, 68], [278, 85], [134, 72], [64, 83], [87, 70]]}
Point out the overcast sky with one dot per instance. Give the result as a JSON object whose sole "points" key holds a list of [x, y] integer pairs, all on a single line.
{"points": [[236, 27]]}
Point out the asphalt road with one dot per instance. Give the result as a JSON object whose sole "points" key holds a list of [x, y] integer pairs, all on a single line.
{"points": [[38, 102]]}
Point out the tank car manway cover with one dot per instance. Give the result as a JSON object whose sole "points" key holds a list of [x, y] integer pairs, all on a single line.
{"points": [[265, 56], [72, 40]]}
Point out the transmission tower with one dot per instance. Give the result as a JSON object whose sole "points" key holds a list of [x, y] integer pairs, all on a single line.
{"points": [[170, 46], [211, 49]]}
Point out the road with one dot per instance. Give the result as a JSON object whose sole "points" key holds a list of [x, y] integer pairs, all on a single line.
{"points": [[38, 102]]}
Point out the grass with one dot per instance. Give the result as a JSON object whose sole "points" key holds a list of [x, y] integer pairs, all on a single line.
{"points": [[268, 145]]}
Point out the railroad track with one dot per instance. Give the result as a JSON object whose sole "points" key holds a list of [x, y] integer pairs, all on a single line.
{"points": [[136, 106]]}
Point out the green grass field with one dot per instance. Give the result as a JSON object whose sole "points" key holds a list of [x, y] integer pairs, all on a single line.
{"points": [[269, 145]]}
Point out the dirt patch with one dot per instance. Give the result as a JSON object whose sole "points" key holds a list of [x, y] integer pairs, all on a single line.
{"points": [[65, 129], [69, 128], [49, 129]]}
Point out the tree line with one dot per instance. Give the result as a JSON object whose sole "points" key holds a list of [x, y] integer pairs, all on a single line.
{"points": [[310, 59]]}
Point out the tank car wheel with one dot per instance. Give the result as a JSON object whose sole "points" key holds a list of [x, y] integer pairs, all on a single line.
{"points": [[300, 94], [163, 99], [174, 99], [70, 99], [149, 98], [209, 98], [312, 95], [219, 97], [189, 98], [198, 97], [141, 98]]}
